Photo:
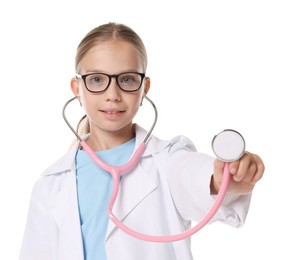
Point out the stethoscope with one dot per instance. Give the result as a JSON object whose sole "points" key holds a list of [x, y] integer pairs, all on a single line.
{"points": [[228, 146]]}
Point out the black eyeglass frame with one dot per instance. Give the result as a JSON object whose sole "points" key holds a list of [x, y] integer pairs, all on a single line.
{"points": [[79, 76]]}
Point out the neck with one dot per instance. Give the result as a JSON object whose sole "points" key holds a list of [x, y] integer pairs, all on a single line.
{"points": [[100, 140]]}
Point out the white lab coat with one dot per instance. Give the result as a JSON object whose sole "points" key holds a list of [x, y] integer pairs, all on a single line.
{"points": [[168, 189]]}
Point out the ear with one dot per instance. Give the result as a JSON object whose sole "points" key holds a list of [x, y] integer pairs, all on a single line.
{"points": [[147, 85], [75, 86], [146, 88]]}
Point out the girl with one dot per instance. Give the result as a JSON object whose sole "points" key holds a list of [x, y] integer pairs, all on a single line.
{"points": [[171, 186]]}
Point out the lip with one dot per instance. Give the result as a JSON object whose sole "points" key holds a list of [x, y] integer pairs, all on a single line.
{"points": [[112, 112]]}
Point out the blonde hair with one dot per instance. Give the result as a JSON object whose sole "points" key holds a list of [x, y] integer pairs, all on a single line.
{"points": [[104, 33]]}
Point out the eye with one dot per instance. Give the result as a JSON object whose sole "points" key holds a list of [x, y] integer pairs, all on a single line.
{"points": [[128, 78], [96, 79]]}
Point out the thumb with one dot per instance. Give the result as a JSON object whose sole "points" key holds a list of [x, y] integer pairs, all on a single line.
{"points": [[218, 170]]}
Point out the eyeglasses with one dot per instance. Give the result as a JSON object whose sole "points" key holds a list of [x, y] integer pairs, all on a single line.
{"points": [[99, 82]]}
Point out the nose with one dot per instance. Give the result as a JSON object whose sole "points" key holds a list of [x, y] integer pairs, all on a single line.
{"points": [[113, 92]]}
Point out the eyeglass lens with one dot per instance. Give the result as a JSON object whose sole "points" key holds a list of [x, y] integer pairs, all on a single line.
{"points": [[98, 82]]}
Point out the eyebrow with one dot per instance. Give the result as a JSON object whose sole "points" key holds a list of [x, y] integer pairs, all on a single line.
{"points": [[102, 71]]}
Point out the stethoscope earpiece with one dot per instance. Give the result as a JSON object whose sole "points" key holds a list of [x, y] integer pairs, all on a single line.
{"points": [[79, 99]]}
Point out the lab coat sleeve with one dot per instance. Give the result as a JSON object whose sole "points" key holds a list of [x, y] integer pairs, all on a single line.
{"points": [[189, 175], [39, 241]]}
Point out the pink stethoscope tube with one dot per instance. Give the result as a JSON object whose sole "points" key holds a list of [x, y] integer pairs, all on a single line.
{"points": [[117, 171]]}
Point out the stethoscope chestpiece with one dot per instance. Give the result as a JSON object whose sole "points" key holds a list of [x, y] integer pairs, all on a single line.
{"points": [[228, 145]]}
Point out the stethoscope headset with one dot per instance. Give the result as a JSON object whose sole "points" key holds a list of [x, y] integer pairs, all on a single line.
{"points": [[228, 146]]}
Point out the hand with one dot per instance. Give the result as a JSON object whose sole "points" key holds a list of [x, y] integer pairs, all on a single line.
{"points": [[246, 172]]}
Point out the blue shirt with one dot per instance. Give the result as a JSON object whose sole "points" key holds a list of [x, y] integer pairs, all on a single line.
{"points": [[94, 188]]}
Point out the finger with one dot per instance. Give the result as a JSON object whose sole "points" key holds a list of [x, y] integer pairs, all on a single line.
{"points": [[250, 169], [250, 172], [234, 166], [245, 168], [259, 169]]}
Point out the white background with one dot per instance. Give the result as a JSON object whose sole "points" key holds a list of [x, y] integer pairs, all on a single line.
{"points": [[213, 64]]}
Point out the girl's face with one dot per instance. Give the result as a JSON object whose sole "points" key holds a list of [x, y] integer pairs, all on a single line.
{"points": [[114, 109]]}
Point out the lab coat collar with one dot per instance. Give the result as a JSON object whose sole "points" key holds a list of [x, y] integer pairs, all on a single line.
{"points": [[154, 145]]}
